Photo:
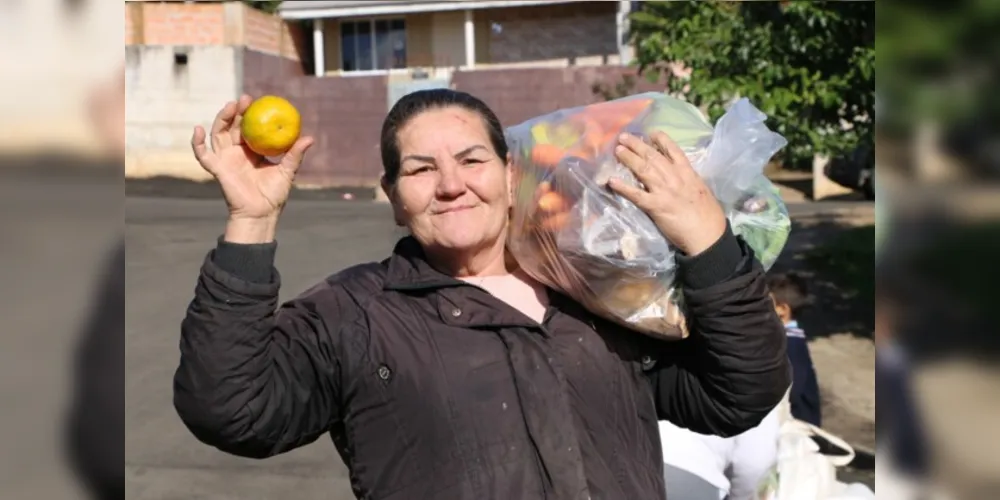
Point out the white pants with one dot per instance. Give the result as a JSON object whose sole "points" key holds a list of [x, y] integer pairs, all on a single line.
{"points": [[734, 465]]}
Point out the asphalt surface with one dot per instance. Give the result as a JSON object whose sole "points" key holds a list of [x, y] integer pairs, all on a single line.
{"points": [[167, 239]]}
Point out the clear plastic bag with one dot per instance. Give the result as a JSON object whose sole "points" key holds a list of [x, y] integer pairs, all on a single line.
{"points": [[570, 232]]}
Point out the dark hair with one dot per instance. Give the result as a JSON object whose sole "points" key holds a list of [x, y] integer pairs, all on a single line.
{"points": [[788, 289], [417, 102]]}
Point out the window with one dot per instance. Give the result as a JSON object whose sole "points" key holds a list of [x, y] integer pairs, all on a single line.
{"points": [[373, 44]]}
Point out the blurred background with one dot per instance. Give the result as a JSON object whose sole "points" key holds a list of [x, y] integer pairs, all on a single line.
{"points": [[61, 213], [71, 146]]}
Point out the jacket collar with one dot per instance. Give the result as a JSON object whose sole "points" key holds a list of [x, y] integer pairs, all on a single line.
{"points": [[408, 269]]}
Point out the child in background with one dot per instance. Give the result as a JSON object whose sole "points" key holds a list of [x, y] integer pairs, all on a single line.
{"points": [[789, 294], [900, 428], [699, 467]]}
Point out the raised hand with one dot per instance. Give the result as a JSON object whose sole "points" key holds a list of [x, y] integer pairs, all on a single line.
{"points": [[675, 197], [254, 187]]}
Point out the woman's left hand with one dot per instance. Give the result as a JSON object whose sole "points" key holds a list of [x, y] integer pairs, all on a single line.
{"points": [[675, 196]]}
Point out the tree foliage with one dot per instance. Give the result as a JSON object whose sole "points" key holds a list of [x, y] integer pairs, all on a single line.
{"points": [[269, 6], [810, 66], [940, 62], [939, 59]]}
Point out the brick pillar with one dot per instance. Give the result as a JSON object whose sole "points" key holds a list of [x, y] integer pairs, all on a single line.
{"points": [[135, 32], [235, 23]]}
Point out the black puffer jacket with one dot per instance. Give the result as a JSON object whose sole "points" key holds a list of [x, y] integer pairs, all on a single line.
{"points": [[432, 388]]}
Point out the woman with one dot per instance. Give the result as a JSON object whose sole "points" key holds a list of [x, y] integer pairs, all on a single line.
{"points": [[443, 371]]}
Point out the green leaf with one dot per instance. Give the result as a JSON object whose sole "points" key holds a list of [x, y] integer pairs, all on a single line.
{"points": [[806, 64]]}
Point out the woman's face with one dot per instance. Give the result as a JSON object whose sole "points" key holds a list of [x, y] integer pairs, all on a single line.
{"points": [[453, 191]]}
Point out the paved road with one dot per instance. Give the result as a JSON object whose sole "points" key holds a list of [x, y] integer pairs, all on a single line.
{"points": [[166, 242], [813, 208]]}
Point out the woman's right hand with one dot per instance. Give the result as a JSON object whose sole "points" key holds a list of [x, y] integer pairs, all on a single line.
{"points": [[254, 187]]}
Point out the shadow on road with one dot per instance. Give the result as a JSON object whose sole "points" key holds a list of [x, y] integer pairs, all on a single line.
{"points": [[836, 256], [172, 187], [834, 252]]}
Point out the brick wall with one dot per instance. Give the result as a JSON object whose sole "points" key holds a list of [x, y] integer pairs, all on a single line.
{"points": [[168, 95], [178, 23], [130, 34], [344, 115], [550, 32], [522, 93], [166, 100], [271, 35], [215, 23]]}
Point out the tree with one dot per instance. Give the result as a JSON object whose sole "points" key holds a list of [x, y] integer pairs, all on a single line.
{"points": [[269, 6], [810, 66], [939, 64]]}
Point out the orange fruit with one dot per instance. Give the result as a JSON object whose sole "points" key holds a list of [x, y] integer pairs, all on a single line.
{"points": [[270, 126], [551, 201], [547, 155], [555, 222]]}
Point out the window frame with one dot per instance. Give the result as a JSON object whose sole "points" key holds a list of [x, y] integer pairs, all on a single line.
{"points": [[371, 21]]}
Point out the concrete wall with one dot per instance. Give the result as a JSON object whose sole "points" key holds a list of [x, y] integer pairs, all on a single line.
{"points": [[448, 38], [419, 41], [184, 61], [823, 186], [166, 100], [52, 64]]}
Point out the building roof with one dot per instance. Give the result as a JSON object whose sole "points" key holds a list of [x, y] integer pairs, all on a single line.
{"points": [[312, 9]]}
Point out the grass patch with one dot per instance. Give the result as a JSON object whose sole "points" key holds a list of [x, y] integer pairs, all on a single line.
{"points": [[848, 261]]}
